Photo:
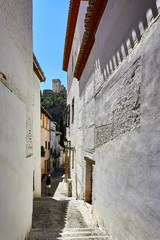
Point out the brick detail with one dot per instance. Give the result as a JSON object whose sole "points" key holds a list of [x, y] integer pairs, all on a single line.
{"points": [[126, 114]]}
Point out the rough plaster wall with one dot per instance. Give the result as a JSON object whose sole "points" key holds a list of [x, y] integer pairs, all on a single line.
{"points": [[122, 83], [126, 190], [16, 96]]}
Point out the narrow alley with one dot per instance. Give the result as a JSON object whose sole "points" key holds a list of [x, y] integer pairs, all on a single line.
{"points": [[80, 88], [57, 216]]}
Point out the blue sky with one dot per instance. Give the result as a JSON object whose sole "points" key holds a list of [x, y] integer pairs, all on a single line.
{"points": [[49, 29]]}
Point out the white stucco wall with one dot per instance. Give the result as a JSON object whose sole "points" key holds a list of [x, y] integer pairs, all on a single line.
{"points": [[16, 130], [117, 121]]}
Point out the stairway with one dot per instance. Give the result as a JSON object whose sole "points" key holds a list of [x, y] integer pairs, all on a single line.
{"points": [[67, 234], [57, 217]]}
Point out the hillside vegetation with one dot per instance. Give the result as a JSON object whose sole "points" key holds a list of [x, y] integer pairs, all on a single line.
{"points": [[55, 105], [55, 100]]}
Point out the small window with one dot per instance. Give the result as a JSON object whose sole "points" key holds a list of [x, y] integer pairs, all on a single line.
{"points": [[72, 159], [45, 144], [33, 181], [68, 116], [42, 151], [48, 145]]}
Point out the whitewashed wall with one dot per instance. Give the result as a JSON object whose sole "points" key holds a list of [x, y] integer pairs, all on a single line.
{"points": [[117, 120], [75, 132], [16, 119]]}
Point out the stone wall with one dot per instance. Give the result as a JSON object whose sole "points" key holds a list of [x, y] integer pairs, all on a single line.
{"points": [[117, 121]]}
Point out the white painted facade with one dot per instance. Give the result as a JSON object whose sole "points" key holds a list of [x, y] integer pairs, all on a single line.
{"points": [[19, 108], [117, 119], [53, 145]]}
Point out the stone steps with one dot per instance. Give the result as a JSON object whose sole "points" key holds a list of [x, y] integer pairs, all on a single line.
{"points": [[66, 234]]}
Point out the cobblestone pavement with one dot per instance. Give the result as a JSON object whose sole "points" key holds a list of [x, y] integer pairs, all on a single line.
{"points": [[56, 216]]}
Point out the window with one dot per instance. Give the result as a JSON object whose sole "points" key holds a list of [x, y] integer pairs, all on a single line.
{"points": [[42, 151], [72, 159], [33, 181], [73, 110], [48, 145], [68, 116], [45, 144]]}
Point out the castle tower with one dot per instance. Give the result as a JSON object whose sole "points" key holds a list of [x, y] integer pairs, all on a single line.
{"points": [[56, 85]]}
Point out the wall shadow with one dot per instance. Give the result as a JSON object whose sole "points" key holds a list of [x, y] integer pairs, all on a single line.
{"points": [[49, 215], [123, 36], [49, 218]]}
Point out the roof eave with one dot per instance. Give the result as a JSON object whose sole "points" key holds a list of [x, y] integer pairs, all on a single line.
{"points": [[38, 70], [71, 24], [95, 10]]}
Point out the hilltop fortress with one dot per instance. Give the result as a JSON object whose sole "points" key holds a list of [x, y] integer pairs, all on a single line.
{"points": [[56, 88]]}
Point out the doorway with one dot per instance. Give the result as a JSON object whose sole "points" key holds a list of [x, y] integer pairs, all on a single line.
{"points": [[89, 179]]}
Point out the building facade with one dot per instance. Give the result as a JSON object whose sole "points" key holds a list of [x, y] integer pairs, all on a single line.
{"points": [[53, 146], [112, 59], [18, 104], [38, 77], [45, 141], [57, 87], [48, 93]]}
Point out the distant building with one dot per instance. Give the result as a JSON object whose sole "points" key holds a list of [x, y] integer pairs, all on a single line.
{"points": [[38, 77], [56, 85], [45, 141], [63, 89], [47, 93], [53, 146], [58, 147]]}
